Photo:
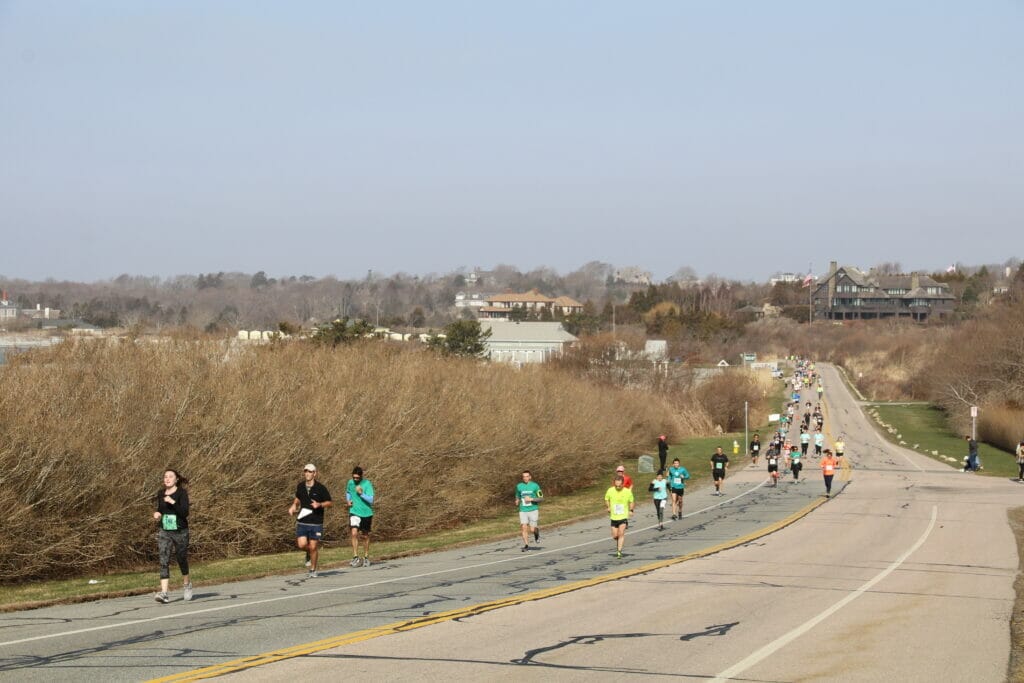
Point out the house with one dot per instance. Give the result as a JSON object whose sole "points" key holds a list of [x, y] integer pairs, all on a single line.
{"points": [[40, 313], [499, 306], [632, 275], [849, 293], [464, 300], [527, 342], [785, 278], [8, 311]]}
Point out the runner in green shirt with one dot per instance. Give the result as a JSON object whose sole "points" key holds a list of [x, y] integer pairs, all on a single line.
{"points": [[620, 504], [359, 493], [528, 494]]}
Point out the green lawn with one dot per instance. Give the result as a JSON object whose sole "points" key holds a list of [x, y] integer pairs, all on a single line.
{"points": [[923, 428], [589, 502]]}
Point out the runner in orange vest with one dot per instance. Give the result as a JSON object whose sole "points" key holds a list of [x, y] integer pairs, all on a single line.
{"points": [[829, 463]]}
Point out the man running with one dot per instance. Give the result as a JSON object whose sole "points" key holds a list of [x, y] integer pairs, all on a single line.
{"points": [[311, 499], [677, 476], [528, 495], [773, 465], [620, 504], [755, 449], [828, 469], [359, 494], [719, 466]]}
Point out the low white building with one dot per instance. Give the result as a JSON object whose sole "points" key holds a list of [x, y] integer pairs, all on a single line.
{"points": [[526, 342]]}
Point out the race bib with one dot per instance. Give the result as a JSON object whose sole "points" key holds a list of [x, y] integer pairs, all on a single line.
{"points": [[169, 522], [718, 465], [677, 481], [757, 447], [619, 509]]}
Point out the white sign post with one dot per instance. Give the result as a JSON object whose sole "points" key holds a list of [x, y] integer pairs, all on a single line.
{"points": [[974, 422]]}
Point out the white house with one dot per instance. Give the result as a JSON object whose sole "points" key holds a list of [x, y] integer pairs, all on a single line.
{"points": [[527, 342]]}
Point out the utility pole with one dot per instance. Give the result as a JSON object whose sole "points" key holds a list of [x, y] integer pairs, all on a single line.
{"points": [[746, 428]]}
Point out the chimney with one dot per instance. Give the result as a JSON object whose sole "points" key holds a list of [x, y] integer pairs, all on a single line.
{"points": [[915, 280], [39, 307], [833, 266], [46, 313]]}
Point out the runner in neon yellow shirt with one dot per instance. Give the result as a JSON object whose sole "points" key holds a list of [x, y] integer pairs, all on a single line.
{"points": [[620, 504]]}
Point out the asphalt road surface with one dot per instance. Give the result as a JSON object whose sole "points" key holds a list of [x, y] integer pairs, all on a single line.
{"points": [[907, 575]]}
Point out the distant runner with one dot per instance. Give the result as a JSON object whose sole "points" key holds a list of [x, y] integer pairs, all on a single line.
{"points": [[805, 441], [819, 443], [719, 466], [840, 446], [528, 495], [755, 449], [1020, 460], [773, 466], [627, 480], [828, 469], [794, 463], [620, 504], [677, 476], [659, 487]]}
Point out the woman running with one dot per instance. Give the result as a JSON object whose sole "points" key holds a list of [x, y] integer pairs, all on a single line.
{"points": [[172, 515]]}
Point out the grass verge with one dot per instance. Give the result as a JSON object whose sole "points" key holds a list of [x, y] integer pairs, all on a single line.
{"points": [[923, 428], [583, 504]]}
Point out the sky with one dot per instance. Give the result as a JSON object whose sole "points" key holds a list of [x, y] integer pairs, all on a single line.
{"points": [[332, 138]]}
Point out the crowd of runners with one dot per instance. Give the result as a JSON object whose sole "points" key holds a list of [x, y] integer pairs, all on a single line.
{"points": [[801, 424]]}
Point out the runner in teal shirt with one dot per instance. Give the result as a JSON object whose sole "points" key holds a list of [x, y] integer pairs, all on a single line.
{"points": [[677, 476], [359, 494], [528, 495], [659, 487]]}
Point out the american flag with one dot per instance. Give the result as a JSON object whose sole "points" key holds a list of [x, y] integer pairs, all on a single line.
{"points": [[809, 279]]}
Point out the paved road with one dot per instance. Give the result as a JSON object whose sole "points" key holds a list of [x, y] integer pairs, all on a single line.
{"points": [[135, 638], [907, 576]]}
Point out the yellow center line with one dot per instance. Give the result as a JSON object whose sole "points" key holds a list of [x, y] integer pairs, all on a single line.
{"points": [[253, 661]]}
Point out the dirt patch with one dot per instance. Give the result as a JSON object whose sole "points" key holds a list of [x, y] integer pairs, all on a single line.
{"points": [[1015, 672]]}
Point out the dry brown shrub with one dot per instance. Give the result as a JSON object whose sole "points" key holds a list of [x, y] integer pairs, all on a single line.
{"points": [[87, 428], [1001, 426], [722, 397]]}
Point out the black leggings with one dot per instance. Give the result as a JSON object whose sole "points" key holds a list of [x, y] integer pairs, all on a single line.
{"points": [[1020, 466], [659, 508], [179, 541], [828, 483]]}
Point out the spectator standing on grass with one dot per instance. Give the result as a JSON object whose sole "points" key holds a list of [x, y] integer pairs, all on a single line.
{"points": [[311, 499], [662, 451], [973, 464], [1020, 460], [528, 495], [172, 515], [359, 494]]}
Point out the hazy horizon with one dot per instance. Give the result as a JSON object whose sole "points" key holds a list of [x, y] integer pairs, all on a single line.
{"points": [[337, 138]]}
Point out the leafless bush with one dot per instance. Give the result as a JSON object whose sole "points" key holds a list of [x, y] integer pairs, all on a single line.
{"points": [[1001, 426], [87, 428], [723, 396]]}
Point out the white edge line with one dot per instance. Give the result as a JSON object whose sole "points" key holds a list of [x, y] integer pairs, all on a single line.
{"points": [[772, 647], [339, 589]]}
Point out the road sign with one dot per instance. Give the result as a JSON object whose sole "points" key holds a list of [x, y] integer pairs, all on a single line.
{"points": [[974, 411], [749, 357]]}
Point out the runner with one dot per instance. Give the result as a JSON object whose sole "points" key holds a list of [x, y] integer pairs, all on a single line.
{"points": [[677, 476], [840, 446], [659, 487], [662, 451], [172, 515], [794, 463], [719, 466], [620, 471], [528, 495], [1020, 460], [805, 441], [619, 500], [755, 449], [311, 499], [828, 469], [359, 495], [773, 466], [819, 443]]}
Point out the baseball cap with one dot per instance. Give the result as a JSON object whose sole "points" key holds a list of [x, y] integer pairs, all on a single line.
{"points": [[662, 436], [620, 468], [310, 467]]}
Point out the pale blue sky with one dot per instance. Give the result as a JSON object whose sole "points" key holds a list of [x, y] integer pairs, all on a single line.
{"points": [[739, 138]]}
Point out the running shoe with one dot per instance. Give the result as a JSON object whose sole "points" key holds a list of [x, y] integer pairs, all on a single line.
{"points": [[536, 535], [187, 590], [661, 527], [312, 574], [356, 562], [618, 554], [163, 598], [366, 561], [308, 563], [525, 548]]}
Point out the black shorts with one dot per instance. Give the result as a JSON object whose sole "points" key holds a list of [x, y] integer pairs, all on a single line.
{"points": [[620, 522], [364, 524], [678, 492], [773, 468], [717, 475]]}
